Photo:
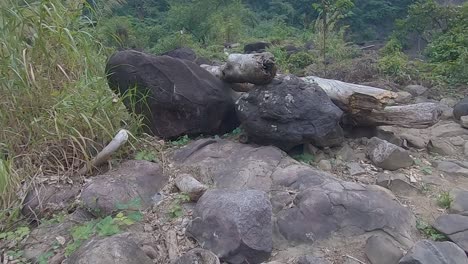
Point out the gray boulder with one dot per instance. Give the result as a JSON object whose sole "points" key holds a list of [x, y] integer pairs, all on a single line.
{"points": [[117, 249], [387, 155], [430, 252], [464, 121], [256, 47], [311, 260], [415, 90], [235, 225], [459, 205], [289, 112], [455, 227], [442, 147], [186, 54], [460, 109], [382, 250], [176, 97], [349, 208], [133, 185], [44, 200]]}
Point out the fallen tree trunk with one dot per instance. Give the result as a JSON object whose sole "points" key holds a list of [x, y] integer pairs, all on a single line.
{"points": [[353, 98], [420, 115], [368, 106], [259, 68]]}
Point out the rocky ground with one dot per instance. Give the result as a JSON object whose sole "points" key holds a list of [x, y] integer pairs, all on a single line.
{"points": [[362, 202]]}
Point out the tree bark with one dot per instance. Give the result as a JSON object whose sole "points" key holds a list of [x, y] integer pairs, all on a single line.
{"points": [[259, 68], [353, 98], [369, 106]]}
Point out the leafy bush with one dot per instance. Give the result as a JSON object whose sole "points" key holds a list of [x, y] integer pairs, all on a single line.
{"points": [[299, 61]]}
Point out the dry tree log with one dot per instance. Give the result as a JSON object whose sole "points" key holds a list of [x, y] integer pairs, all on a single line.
{"points": [[368, 106], [259, 68]]}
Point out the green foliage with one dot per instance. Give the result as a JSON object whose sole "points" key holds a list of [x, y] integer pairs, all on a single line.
{"points": [[44, 258], [175, 209], [182, 141], [444, 200], [236, 132], [429, 231], [146, 155], [305, 157], [15, 236], [299, 61], [395, 65], [107, 226]]}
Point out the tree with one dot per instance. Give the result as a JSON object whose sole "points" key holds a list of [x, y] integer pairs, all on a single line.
{"points": [[330, 13]]}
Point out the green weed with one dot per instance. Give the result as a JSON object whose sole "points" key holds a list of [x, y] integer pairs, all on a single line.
{"points": [[146, 155], [429, 231], [175, 209], [444, 200], [182, 141], [306, 158]]}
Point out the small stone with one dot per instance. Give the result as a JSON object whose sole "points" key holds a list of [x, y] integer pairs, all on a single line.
{"points": [[459, 204], [381, 250], [403, 97], [442, 147], [325, 165], [415, 90], [430, 252], [452, 168], [464, 121], [397, 183], [455, 227], [450, 102], [346, 153], [457, 141], [355, 169], [387, 155], [186, 183], [197, 255]]}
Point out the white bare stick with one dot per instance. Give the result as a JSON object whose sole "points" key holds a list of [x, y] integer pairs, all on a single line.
{"points": [[105, 154]]}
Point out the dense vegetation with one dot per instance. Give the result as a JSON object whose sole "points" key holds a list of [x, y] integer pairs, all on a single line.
{"points": [[56, 108]]}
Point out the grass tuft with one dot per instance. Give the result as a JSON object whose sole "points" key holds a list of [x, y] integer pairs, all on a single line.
{"points": [[56, 110]]}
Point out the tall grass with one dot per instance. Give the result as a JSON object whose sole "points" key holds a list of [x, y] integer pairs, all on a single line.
{"points": [[55, 105]]}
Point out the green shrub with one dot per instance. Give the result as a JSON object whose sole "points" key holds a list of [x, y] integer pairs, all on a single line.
{"points": [[299, 61]]}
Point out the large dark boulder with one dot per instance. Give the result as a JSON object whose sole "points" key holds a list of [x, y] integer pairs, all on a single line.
{"points": [[430, 252], [256, 47], [175, 96], [186, 54], [460, 109], [289, 112]]}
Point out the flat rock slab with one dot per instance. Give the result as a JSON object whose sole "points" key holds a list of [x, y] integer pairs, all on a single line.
{"points": [[459, 204], [397, 183], [455, 227], [235, 225], [382, 250], [308, 204], [388, 156], [452, 168], [430, 252], [133, 185], [47, 199], [117, 249]]}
